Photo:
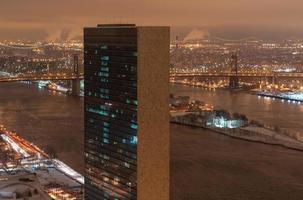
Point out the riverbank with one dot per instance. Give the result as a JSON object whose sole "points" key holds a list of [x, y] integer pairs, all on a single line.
{"points": [[276, 96], [224, 87], [287, 116], [249, 90], [249, 133]]}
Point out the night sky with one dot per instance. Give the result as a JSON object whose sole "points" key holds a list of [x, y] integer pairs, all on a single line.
{"points": [[64, 19]]}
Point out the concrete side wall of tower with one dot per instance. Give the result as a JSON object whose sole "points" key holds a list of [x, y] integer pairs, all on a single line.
{"points": [[153, 150]]}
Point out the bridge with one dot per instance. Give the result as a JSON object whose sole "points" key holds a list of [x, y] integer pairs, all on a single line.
{"points": [[48, 77], [235, 74], [75, 76], [238, 74], [44, 77]]}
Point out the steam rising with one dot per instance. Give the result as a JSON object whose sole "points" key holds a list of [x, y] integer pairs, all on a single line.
{"points": [[197, 34], [64, 34]]}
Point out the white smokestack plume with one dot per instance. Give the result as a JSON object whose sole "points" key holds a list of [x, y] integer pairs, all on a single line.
{"points": [[53, 35], [64, 34], [75, 34], [197, 34]]}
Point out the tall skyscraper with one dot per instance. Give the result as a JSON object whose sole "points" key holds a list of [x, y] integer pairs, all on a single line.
{"points": [[126, 112]]}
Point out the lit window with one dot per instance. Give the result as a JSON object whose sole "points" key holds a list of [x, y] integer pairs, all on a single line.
{"points": [[103, 74], [134, 126], [96, 111], [104, 96], [105, 129], [104, 90], [104, 63], [133, 140], [132, 69], [106, 69], [105, 58], [103, 46], [106, 124], [104, 80], [126, 164]]}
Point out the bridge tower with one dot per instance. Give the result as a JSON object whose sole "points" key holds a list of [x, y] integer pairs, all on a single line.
{"points": [[177, 42], [274, 79], [234, 80], [76, 82]]}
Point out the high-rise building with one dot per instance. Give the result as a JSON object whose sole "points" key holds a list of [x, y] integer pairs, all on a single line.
{"points": [[126, 71]]}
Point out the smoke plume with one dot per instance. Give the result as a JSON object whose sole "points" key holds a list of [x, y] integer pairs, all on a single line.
{"points": [[64, 34], [197, 34]]}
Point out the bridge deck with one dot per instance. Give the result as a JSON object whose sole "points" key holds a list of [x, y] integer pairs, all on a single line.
{"points": [[286, 75], [41, 78]]}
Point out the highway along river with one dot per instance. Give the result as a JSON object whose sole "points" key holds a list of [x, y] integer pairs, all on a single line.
{"points": [[205, 165]]}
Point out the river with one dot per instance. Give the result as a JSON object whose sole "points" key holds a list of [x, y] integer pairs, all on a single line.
{"points": [[47, 118], [272, 112], [205, 165]]}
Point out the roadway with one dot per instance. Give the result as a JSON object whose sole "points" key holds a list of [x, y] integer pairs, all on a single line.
{"points": [[40, 78], [172, 75], [244, 75], [33, 155]]}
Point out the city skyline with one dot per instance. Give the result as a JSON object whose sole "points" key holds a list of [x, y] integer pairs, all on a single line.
{"points": [[51, 20], [151, 99]]}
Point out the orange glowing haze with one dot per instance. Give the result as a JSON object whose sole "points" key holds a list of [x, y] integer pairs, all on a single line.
{"points": [[55, 19]]}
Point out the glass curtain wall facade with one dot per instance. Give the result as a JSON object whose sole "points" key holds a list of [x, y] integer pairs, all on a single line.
{"points": [[110, 68]]}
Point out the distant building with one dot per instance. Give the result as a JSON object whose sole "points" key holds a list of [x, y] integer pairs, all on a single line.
{"points": [[126, 112], [222, 119], [221, 122]]}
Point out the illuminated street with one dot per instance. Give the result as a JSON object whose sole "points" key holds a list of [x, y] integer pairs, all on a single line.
{"points": [[30, 159]]}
